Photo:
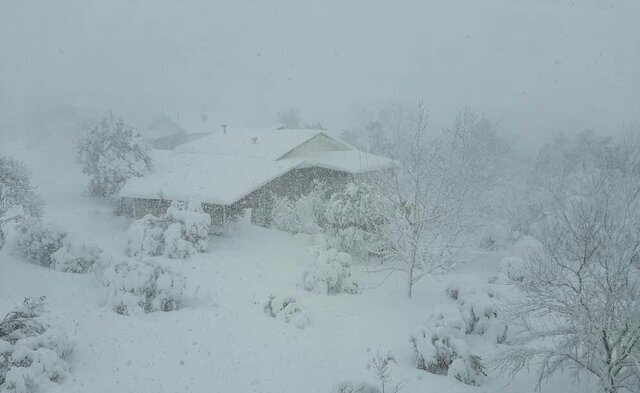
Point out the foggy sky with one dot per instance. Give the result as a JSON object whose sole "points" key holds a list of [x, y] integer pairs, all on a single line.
{"points": [[538, 67]]}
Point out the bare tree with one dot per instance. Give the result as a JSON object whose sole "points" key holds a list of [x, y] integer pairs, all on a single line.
{"points": [[581, 306], [381, 365], [429, 197]]}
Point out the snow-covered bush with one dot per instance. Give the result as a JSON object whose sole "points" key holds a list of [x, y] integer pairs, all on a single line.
{"points": [[32, 354], [442, 349], [443, 346], [468, 370], [16, 188], [44, 244], [145, 236], [480, 311], [188, 230], [330, 271], [37, 241], [112, 153], [354, 216], [137, 286], [180, 233], [303, 215], [287, 309], [77, 255]]}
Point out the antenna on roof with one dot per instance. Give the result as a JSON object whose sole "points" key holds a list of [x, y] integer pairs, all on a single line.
{"points": [[224, 128]]}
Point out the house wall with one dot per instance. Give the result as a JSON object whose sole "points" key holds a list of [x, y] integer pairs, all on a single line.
{"points": [[293, 184], [158, 207], [318, 143], [155, 207]]}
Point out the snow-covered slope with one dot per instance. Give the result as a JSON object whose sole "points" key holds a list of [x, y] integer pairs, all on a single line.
{"points": [[223, 341]]}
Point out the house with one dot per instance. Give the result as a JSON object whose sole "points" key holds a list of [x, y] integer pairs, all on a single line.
{"points": [[233, 171]]}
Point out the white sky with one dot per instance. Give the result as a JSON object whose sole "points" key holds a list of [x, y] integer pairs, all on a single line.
{"points": [[538, 66]]}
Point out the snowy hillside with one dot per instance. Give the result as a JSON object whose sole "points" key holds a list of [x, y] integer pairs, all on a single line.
{"points": [[222, 340]]}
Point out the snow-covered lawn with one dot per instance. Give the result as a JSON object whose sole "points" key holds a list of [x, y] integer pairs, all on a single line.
{"points": [[223, 341]]}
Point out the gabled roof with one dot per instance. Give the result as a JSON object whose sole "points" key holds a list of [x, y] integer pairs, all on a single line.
{"points": [[352, 161], [220, 180], [265, 144]]}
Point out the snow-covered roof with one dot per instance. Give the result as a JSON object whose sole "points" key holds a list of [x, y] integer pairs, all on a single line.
{"points": [[350, 161], [220, 180], [265, 144]]}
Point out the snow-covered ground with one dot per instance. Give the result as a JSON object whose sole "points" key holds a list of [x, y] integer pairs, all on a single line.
{"points": [[223, 341]]}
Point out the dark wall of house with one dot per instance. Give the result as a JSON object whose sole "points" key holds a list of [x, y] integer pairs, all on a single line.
{"points": [[158, 207], [293, 184]]}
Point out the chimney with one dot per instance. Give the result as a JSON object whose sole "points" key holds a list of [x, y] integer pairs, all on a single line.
{"points": [[224, 128]]}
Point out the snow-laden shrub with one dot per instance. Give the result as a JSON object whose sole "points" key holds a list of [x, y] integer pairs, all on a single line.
{"points": [[329, 272], [302, 215], [354, 217], [441, 346], [176, 246], [77, 255], [16, 188], [112, 152], [37, 241], [137, 286], [32, 354], [188, 230], [468, 370], [180, 233], [146, 237], [287, 309], [481, 312], [46, 245]]}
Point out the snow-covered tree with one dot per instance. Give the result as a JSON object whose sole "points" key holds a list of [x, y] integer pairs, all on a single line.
{"points": [[112, 152], [354, 217], [16, 188], [424, 199], [581, 307]]}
